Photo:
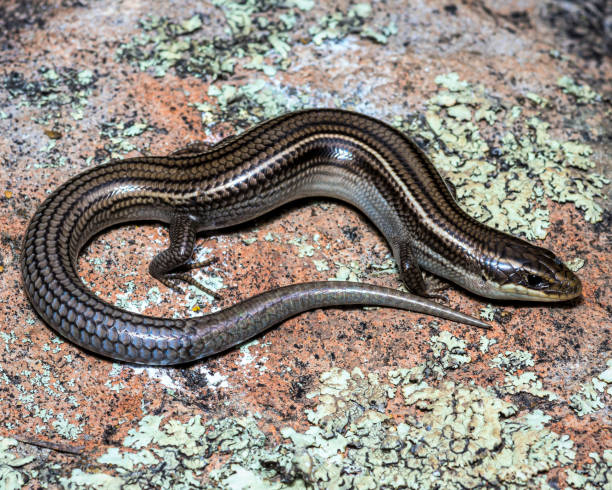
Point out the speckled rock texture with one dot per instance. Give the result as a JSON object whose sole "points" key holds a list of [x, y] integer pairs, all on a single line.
{"points": [[512, 104]]}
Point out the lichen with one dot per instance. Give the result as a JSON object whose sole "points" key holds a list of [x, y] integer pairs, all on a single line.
{"points": [[527, 382], [304, 249], [513, 361], [606, 376], [486, 343], [575, 264], [453, 436], [321, 265], [537, 99], [595, 475], [259, 35], [582, 93], [348, 272], [586, 401], [589, 399], [248, 104], [343, 396], [11, 477], [506, 179], [449, 352], [488, 312], [338, 25], [53, 89], [117, 137]]}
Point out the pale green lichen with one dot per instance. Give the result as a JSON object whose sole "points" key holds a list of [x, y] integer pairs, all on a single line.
{"points": [[343, 396], [513, 361], [527, 382], [606, 376], [304, 248], [461, 437], [460, 112], [449, 352], [589, 398], [536, 99], [339, 24], [177, 451], [472, 437], [389, 266], [51, 89], [117, 135], [29, 388], [248, 104], [215, 380], [11, 477], [583, 93], [451, 82], [260, 39], [116, 387], [575, 264], [183, 45], [259, 36], [586, 401], [65, 428], [505, 181], [595, 475], [321, 265], [348, 272], [125, 301], [456, 436], [486, 343], [8, 338], [247, 358], [488, 312], [102, 481]]}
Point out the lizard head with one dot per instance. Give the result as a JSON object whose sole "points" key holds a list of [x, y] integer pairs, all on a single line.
{"points": [[517, 270]]}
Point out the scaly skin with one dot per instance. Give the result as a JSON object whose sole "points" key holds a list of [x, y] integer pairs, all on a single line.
{"points": [[322, 152]]}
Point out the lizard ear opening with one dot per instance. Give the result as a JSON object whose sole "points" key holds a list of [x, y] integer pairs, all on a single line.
{"points": [[536, 282]]}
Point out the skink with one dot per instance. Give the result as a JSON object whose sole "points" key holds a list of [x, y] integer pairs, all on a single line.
{"points": [[318, 152]]}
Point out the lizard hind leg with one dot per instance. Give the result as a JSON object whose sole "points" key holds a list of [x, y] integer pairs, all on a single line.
{"points": [[436, 287], [169, 267], [414, 278]]}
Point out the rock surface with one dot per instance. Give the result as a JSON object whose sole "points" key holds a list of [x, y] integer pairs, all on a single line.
{"points": [[512, 104]]}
